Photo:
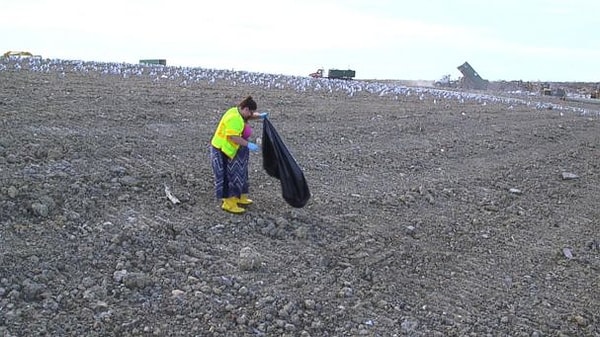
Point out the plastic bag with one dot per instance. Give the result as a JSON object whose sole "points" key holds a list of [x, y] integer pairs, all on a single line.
{"points": [[279, 163]]}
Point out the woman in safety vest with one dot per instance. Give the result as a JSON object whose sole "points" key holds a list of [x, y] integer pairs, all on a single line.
{"points": [[230, 154]]}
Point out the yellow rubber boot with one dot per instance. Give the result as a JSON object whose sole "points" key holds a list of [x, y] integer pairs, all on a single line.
{"points": [[230, 205], [244, 200]]}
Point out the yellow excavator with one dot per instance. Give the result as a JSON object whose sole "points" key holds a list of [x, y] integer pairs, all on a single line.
{"points": [[17, 53]]}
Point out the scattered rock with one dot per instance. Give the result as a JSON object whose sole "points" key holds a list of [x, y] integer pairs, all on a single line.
{"points": [[129, 181], [409, 325], [249, 259], [11, 158], [136, 280], [40, 209], [119, 275], [569, 176], [568, 253], [12, 192], [177, 293], [515, 191], [32, 290]]}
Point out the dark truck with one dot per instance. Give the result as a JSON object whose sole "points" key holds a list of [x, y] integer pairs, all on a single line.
{"points": [[161, 62], [335, 74], [341, 74], [471, 79]]}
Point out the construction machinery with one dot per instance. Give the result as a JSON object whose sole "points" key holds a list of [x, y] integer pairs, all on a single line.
{"points": [[446, 82], [317, 74], [11, 53], [161, 62], [560, 93], [334, 74], [547, 90], [471, 79], [595, 93]]}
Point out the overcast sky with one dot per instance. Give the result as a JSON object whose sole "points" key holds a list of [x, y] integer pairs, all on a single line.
{"points": [[531, 40]]}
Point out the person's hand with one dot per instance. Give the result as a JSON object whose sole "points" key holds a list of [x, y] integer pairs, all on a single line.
{"points": [[253, 147], [263, 115]]}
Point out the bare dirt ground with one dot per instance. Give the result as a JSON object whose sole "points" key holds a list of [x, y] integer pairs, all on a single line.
{"points": [[433, 213]]}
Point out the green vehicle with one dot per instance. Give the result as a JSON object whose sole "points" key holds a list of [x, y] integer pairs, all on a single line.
{"points": [[335, 74], [161, 62], [341, 74]]}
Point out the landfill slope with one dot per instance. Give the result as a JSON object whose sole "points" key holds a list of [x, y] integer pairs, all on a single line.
{"points": [[432, 213]]}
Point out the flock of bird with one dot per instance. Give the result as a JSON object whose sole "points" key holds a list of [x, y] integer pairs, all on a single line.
{"points": [[186, 76]]}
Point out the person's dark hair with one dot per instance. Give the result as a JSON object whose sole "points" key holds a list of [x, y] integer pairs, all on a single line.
{"points": [[249, 103]]}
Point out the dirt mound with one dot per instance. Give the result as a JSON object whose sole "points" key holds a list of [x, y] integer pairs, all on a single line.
{"points": [[432, 213]]}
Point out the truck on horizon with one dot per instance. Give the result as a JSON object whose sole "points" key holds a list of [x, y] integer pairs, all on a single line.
{"points": [[334, 74]]}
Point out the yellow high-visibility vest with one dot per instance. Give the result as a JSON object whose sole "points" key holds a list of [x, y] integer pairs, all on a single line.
{"points": [[231, 124]]}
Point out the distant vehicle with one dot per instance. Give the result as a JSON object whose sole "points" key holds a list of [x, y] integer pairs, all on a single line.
{"points": [[317, 74], [17, 54], [596, 92], [334, 74], [547, 90], [471, 79], [446, 82], [161, 62]]}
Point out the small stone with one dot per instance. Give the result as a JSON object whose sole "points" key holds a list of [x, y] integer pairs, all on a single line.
{"points": [[123, 197], [569, 176], [309, 304], [31, 290], [345, 292], [119, 275], [129, 181], [281, 222], [136, 280], [11, 159], [242, 320], [177, 293], [515, 191], [249, 259], [226, 281], [40, 209], [12, 192], [409, 326], [579, 320]]}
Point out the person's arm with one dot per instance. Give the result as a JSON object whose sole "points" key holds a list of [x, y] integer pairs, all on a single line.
{"points": [[242, 142], [239, 140], [259, 115]]}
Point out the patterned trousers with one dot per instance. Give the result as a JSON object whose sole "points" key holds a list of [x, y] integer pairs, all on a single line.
{"points": [[231, 175]]}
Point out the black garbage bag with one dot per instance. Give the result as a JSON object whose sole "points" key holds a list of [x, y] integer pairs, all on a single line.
{"points": [[279, 163]]}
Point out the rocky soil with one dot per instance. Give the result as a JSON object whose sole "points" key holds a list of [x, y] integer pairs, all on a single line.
{"points": [[433, 213]]}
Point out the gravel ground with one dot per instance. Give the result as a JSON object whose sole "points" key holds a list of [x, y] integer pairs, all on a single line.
{"points": [[433, 212]]}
